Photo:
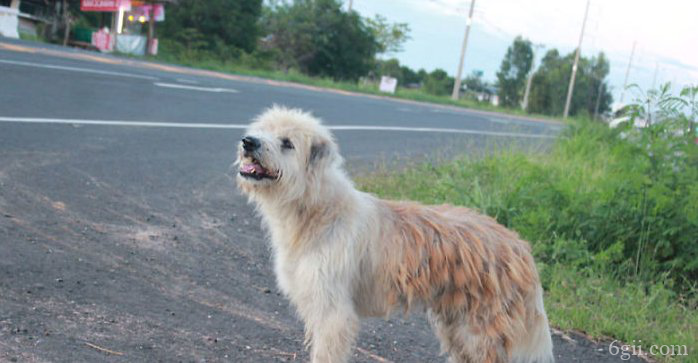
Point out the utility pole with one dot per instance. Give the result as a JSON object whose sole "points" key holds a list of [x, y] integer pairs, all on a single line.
{"points": [[150, 43], [456, 86], [524, 104], [627, 72], [351, 2], [570, 89]]}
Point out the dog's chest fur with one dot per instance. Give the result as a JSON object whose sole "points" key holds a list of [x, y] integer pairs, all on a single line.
{"points": [[326, 256]]}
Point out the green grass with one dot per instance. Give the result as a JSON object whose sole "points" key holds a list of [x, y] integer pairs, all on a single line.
{"points": [[612, 229], [31, 37], [602, 307]]}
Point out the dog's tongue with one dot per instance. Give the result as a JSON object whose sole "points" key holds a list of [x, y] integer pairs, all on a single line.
{"points": [[252, 167]]}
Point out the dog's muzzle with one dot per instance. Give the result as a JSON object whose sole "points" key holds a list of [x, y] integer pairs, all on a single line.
{"points": [[251, 167]]}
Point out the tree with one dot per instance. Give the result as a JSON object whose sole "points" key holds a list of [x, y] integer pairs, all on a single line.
{"points": [[410, 77], [549, 85], [320, 39], [511, 77], [288, 29], [390, 68], [438, 83], [390, 37], [221, 26], [422, 75], [474, 82]]}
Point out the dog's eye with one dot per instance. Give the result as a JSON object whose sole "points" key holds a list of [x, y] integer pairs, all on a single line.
{"points": [[286, 143]]}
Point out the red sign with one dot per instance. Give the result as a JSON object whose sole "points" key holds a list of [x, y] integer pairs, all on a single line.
{"points": [[101, 5], [146, 10]]}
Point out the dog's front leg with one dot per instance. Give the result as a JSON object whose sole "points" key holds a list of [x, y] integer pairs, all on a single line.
{"points": [[330, 331]]}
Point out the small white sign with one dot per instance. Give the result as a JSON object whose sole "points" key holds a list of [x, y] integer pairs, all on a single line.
{"points": [[388, 84]]}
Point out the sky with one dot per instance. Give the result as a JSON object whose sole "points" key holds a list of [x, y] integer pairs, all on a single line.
{"points": [[665, 34]]}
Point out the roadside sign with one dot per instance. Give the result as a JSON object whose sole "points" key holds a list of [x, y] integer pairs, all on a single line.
{"points": [[388, 84], [145, 11], [104, 5]]}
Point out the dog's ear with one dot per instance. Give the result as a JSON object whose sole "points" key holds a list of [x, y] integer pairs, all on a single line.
{"points": [[318, 151]]}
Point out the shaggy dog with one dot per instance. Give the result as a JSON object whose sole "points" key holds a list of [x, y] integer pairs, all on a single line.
{"points": [[341, 254]]}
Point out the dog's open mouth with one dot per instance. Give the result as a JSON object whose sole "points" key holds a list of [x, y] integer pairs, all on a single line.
{"points": [[253, 169]]}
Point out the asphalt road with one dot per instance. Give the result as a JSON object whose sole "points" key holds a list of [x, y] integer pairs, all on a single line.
{"points": [[122, 237]]}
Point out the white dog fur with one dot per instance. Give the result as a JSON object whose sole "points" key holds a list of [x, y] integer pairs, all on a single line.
{"points": [[341, 254]]}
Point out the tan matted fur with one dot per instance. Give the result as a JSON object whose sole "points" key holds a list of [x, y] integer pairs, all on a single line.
{"points": [[341, 254]]}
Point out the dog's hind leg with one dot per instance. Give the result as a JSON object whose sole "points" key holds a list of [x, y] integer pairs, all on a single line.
{"points": [[461, 344], [536, 345]]}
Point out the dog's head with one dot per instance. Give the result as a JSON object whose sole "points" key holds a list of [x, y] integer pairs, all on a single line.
{"points": [[284, 154]]}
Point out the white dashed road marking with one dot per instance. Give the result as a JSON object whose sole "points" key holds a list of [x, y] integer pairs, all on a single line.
{"points": [[244, 126], [75, 69], [195, 88]]}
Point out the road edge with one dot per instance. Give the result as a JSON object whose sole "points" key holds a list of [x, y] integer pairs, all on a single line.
{"points": [[62, 52]]}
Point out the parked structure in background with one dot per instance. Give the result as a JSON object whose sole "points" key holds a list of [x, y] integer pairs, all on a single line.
{"points": [[489, 95], [9, 19], [114, 24], [28, 17], [49, 20], [128, 19]]}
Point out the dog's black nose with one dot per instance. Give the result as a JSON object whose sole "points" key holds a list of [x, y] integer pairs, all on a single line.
{"points": [[250, 143]]}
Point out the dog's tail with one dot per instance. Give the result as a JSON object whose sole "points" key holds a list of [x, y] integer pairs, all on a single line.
{"points": [[536, 345]]}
